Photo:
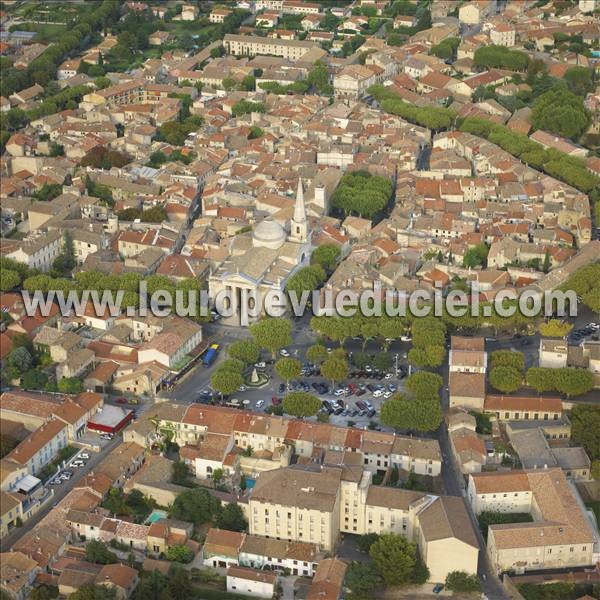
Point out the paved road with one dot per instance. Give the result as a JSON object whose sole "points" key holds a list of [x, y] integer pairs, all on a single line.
{"points": [[60, 491]]}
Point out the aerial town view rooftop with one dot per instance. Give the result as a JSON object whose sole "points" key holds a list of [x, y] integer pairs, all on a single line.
{"points": [[300, 299]]}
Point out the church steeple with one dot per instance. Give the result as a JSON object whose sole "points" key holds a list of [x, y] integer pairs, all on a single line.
{"points": [[299, 224]]}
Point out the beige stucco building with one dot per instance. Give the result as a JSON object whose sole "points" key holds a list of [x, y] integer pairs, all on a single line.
{"points": [[560, 535], [249, 45]]}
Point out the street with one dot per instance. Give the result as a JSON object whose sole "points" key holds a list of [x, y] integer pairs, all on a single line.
{"points": [[60, 491]]}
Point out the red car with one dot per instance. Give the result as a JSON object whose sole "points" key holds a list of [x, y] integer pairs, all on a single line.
{"points": [[275, 400], [121, 400]]}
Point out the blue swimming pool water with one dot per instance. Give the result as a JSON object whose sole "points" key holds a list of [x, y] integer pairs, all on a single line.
{"points": [[156, 515]]}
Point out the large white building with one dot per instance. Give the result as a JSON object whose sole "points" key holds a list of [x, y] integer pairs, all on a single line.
{"points": [[261, 261], [560, 536]]}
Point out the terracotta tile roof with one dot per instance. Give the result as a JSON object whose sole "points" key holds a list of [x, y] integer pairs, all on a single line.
{"points": [[495, 403]]}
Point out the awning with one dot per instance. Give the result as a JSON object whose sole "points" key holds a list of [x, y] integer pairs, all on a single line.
{"points": [[28, 483]]}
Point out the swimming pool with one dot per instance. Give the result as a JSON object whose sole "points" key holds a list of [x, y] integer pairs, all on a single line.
{"points": [[156, 515]]}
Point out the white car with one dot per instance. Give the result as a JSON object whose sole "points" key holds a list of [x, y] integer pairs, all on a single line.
{"points": [[259, 403], [388, 376], [405, 338], [387, 394], [77, 463], [260, 365], [283, 352], [377, 393], [242, 388], [84, 455]]}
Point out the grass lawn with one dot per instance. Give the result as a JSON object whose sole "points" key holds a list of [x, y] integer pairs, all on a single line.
{"points": [[46, 32]]}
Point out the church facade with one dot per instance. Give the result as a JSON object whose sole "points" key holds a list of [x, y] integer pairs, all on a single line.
{"points": [[262, 260]]}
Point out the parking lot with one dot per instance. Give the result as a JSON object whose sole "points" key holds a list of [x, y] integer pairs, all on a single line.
{"points": [[357, 400], [78, 461]]}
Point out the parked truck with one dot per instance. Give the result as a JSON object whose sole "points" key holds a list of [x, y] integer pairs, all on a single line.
{"points": [[210, 355]]}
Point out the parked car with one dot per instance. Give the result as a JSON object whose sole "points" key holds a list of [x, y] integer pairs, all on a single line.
{"points": [[377, 393], [437, 588], [285, 353], [242, 388], [387, 394], [76, 463], [259, 403], [84, 455], [275, 400], [121, 400], [281, 388], [260, 365]]}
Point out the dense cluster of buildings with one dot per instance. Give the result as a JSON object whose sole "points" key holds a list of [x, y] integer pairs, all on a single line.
{"points": [[219, 166]]}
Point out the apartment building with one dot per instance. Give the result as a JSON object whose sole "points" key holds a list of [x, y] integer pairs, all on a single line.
{"points": [[468, 366], [354, 80], [247, 45], [269, 435], [227, 548], [503, 35], [38, 251], [515, 408], [297, 504], [40, 447], [138, 91], [315, 503], [473, 13], [560, 535]]}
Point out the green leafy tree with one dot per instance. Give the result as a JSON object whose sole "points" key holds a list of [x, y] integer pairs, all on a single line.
{"points": [[555, 328], [500, 57], [540, 379], [316, 354], [394, 558], [361, 193], [180, 585], [579, 80], [362, 578], [561, 112], [180, 474], [326, 255], [48, 192], [365, 541], [505, 379], [412, 414], [244, 350], [461, 581], [244, 107], [423, 384], [195, 505], [573, 382], [9, 280], [272, 334], [97, 552], [476, 256], [382, 361], [301, 404], [94, 592], [305, 279], [70, 385], [232, 365], [232, 518], [288, 368], [179, 553], [585, 428], [34, 380], [226, 382], [335, 369], [44, 592], [427, 357], [507, 358], [21, 359]]}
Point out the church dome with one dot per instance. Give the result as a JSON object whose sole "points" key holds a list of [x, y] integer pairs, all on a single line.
{"points": [[269, 234]]}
